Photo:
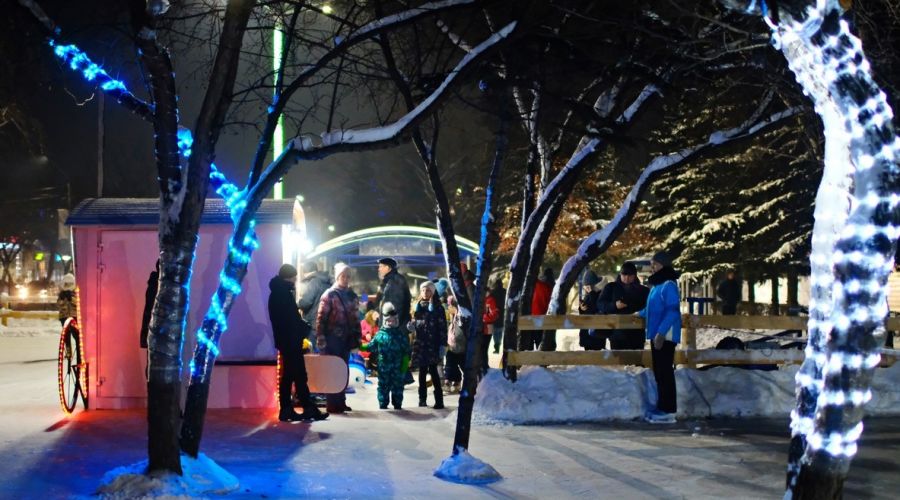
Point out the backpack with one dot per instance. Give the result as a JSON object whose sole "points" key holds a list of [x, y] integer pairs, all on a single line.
{"points": [[456, 336]]}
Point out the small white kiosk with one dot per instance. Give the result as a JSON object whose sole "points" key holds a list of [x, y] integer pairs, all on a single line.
{"points": [[116, 247]]}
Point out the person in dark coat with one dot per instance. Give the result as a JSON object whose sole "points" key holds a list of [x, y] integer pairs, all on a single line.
{"points": [[499, 295], [729, 290], [289, 331], [626, 295], [149, 298], [430, 324], [393, 289], [312, 285], [591, 339], [339, 331]]}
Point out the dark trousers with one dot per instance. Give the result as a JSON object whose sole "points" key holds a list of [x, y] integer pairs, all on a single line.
{"points": [[453, 366], [293, 374], [485, 344], [729, 309], [530, 340], [435, 384], [664, 373], [627, 339], [336, 346]]}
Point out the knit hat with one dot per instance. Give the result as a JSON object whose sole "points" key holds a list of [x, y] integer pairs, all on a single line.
{"points": [[287, 271], [548, 275], [628, 268], [388, 309], [68, 282], [590, 278], [663, 258], [427, 284], [339, 269], [388, 262], [441, 286]]}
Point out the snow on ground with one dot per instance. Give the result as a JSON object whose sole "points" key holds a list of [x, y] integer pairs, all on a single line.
{"points": [[26, 327], [376, 453]]}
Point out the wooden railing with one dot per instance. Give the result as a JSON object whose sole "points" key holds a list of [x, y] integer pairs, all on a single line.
{"points": [[5, 315], [686, 354]]}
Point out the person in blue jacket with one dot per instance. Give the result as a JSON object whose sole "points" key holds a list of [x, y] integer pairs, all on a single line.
{"points": [[663, 322]]}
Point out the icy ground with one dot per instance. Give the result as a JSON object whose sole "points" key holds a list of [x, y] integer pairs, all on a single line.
{"points": [[393, 454]]}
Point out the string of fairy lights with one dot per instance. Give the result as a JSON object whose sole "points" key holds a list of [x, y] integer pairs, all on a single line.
{"points": [[825, 57], [239, 252]]}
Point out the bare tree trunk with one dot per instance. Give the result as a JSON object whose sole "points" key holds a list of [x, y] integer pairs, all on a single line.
{"points": [[486, 246], [775, 310]]}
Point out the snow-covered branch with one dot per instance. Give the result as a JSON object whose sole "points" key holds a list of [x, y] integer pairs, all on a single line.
{"points": [[363, 33], [598, 242]]}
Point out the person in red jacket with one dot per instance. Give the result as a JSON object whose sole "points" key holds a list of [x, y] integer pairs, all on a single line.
{"points": [[540, 301], [488, 317]]}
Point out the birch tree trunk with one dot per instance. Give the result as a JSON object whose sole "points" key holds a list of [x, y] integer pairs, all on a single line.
{"points": [[854, 242]]}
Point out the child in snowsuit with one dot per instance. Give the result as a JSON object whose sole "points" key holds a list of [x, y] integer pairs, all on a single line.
{"points": [[391, 345]]}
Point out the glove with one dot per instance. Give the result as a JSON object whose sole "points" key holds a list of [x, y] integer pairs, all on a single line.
{"points": [[404, 364], [320, 342], [411, 326]]}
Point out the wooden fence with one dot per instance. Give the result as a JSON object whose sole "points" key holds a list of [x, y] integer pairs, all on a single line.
{"points": [[686, 354], [5, 315]]}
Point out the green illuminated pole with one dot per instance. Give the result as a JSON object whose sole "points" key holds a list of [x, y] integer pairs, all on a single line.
{"points": [[278, 140]]}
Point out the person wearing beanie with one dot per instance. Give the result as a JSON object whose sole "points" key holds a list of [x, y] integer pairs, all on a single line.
{"points": [[391, 348], [338, 330], [289, 331], [590, 339], [499, 294], [625, 295], [65, 301], [540, 301], [313, 284], [430, 325], [393, 288], [662, 316]]}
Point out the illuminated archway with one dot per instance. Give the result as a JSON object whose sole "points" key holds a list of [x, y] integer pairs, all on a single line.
{"points": [[387, 232]]}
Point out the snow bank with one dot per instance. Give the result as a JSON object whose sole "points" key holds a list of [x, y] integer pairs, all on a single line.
{"points": [[201, 476], [595, 394], [466, 469]]}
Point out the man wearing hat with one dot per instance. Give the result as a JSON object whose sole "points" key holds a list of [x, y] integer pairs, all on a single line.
{"points": [[338, 327], [289, 331], [625, 295], [393, 289]]}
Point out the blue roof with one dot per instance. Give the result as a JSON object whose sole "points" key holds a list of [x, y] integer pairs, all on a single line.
{"points": [[145, 212]]}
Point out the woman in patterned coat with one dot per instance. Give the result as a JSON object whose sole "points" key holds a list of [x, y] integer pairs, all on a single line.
{"points": [[430, 324]]}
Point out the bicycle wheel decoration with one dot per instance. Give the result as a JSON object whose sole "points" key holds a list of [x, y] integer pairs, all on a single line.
{"points": [[71, 377]]}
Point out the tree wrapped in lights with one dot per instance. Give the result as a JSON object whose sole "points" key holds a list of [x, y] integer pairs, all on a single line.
{"points": [[853, 243]]}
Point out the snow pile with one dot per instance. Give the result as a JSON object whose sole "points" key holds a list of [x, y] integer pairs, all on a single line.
{"points": [[28, 327], [201, 476], [466, 469], [596, 394]]}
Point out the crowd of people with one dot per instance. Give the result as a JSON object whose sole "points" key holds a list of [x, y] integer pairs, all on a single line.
{"points": [[401, 336]]}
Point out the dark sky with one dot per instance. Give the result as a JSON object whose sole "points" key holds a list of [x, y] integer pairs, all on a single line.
{"points": [[350, 191]]}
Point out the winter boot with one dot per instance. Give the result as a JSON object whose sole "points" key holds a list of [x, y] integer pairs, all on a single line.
{"points": [[289, 415], [313, 413]]}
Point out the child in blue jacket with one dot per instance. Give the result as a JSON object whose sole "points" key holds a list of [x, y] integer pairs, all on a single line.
{"points": [[663, 322]]}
